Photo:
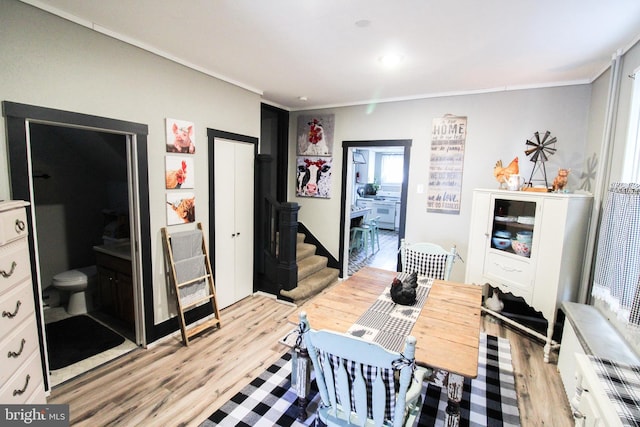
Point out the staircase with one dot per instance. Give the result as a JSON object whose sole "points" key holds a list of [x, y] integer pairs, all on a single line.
{"points": [[313, 273]]}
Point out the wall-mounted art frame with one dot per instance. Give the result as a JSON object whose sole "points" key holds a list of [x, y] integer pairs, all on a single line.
{"points": [[446, 164], [315, 134], [181, 208], [180, 136], [179, 172], [313, 176]]}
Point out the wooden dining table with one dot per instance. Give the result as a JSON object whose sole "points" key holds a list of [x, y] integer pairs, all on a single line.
{"points": [[447, 329]]}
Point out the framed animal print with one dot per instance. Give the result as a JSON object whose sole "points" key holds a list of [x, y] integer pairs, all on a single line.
{"points": [[315, 135], [181, 208], [180, 137], [179, 172], [313, 176]]}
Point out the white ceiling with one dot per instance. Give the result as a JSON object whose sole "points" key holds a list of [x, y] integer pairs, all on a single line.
{"points": [[328, 50]]}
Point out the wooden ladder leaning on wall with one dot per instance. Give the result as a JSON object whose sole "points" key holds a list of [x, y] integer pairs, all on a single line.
{"points": [[192, 279]]}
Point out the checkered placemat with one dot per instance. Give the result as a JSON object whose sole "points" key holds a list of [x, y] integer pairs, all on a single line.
{"points": [[388, 323], [621, 383]]}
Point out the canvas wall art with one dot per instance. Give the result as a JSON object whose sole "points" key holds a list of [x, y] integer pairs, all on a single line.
{"points": [[181, 208], [448, 136], [180, 137], [315, 135], [313, 177], [179, 172]]}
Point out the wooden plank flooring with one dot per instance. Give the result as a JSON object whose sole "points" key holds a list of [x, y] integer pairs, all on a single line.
{"points": [[172, 385]]}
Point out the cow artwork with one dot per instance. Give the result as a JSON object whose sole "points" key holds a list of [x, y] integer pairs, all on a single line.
{"points": [[313, 177], [315, 135]]}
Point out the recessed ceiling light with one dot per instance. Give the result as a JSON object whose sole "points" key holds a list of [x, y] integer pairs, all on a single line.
{"points": [[391, 59], [303, 98], [363, 23]]}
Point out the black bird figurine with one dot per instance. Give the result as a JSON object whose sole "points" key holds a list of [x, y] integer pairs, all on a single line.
{"points": [[404, 292]]}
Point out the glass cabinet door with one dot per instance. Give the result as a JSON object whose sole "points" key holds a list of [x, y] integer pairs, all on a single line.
{"points": [[513, 226]]}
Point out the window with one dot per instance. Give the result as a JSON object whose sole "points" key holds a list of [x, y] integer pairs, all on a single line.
{"points": [[631, 167], [391, 168]]}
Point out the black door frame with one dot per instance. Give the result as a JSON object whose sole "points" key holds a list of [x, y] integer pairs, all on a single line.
{"points": [[17, 118], [346, 146]]}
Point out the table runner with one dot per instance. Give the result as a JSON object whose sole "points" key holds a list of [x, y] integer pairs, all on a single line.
{"points": [[621, 383], [388, 323]]}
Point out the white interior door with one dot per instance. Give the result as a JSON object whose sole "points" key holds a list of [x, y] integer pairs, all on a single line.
{"points": [[234, 182], [244, 219]]}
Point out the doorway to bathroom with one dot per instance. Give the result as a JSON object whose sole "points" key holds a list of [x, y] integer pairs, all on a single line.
{"points": [[81, 207], [80, 174]]}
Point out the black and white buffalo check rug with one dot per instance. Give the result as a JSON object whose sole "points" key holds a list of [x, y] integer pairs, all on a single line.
{"points": [[488, 400]]}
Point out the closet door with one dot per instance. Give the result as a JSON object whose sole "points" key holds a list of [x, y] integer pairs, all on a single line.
{"points": [[234, 182]]}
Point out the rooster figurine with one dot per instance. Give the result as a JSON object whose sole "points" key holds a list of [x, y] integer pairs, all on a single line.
{"points": [[404, 292], [502, 174]]}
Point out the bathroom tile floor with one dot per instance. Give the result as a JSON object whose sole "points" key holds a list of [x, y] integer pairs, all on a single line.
{"points": [[59, 376]]}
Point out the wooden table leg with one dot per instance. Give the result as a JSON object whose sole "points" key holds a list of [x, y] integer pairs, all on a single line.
{"points": [[455, 384]]}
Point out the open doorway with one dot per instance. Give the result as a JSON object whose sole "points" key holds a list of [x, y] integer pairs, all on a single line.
{"points": [[80, 175], [374, 181]]}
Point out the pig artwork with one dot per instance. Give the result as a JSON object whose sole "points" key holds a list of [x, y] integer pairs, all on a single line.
{"points": [[180, 138]]}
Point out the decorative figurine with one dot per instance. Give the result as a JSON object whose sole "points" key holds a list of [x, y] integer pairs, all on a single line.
{"points": [[404, 292], [540, 151], [502, 174], [560, 181]]}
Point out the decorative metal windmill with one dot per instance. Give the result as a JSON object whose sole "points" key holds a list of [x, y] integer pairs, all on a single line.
{"points": [[539, 153]]}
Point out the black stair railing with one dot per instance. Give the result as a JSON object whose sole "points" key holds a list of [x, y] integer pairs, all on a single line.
{"points": [[280, 234]]}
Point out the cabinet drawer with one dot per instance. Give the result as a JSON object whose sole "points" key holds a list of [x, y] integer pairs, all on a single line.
{"points": [[16, 348], [21, 387], [16, 307], [14, 265], [13, 225], [513, 271]]}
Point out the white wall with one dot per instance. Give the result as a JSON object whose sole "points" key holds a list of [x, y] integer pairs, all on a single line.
{"points": [[50, 62], [498, 126]]}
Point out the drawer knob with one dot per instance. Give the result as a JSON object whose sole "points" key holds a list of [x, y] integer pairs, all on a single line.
{"points": [[16, 354], [15, 312], [19, 226], [26, 384], [6, 275]]}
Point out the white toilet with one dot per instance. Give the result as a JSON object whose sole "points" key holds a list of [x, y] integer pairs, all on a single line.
{"points": [[78, 282]]}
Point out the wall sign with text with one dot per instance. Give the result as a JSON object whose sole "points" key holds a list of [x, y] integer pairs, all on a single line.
{"points": [[446, 163]]}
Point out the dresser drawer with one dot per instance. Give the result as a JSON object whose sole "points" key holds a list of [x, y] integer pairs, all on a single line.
{"points": [[16, 348], [511, 273], [13, 225], [14, 265], [26, 382], [16, 307]]}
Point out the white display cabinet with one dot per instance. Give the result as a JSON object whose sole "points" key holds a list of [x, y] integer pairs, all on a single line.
{"points": [[550, 271]]}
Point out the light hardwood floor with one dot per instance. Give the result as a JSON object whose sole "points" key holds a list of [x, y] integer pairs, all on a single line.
{"points": [[172, 385]]}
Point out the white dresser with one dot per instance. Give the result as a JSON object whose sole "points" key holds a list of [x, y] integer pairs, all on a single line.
{"points": [[21, 379]]}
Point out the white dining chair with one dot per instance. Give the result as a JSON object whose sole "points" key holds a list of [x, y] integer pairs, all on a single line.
{"points": [[427, 259], [362, 383]]}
